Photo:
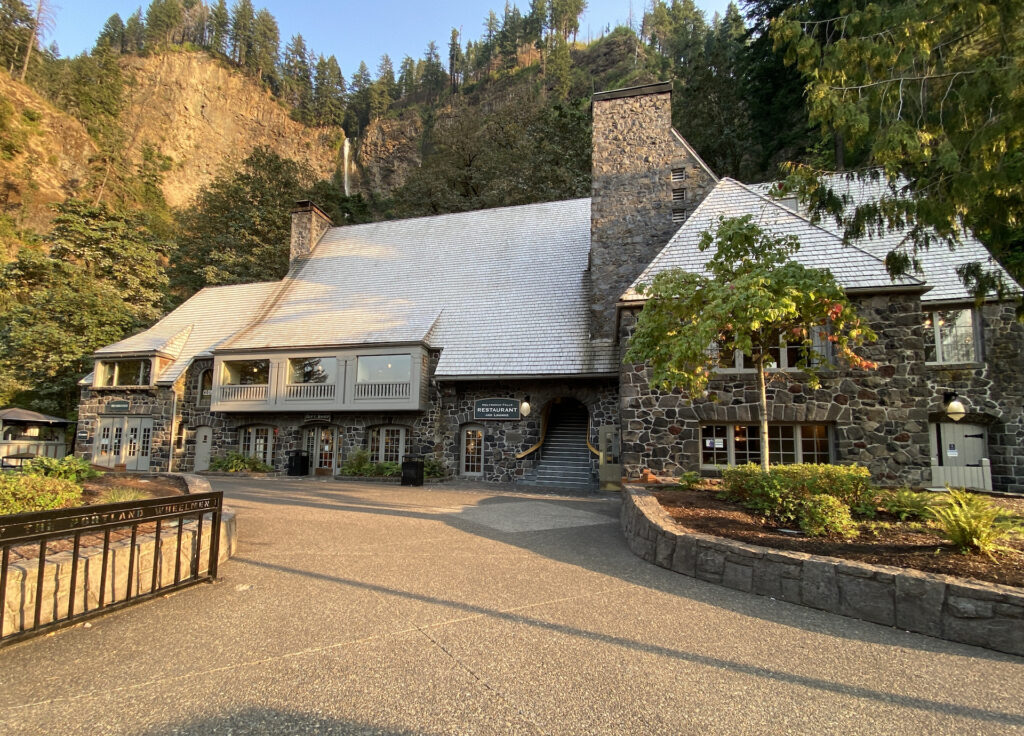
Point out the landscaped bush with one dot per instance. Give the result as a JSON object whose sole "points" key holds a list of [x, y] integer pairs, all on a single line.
{"points": [[824, 515], [760, 492], [434, 467], [688, 480], [20, 492], [906, 505], [357, 464], [71, 468], [122, 494], [387, 470], [851, 484], [975, 524], [236, 462]]}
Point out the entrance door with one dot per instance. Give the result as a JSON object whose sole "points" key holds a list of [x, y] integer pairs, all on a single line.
{"points": [[322, 446], [204, 439], [960, 444], [472, 451], [124, 441]]}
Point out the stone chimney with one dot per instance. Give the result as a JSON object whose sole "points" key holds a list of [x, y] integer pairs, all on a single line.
{"points": [[645, 181], [309, 223]]}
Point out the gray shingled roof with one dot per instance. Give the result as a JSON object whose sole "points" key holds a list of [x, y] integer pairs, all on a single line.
{"points": [[502, 291], [852, 267], [197, 326], [938, 262]]}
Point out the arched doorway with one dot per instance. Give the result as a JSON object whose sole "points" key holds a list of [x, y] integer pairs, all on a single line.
{"points": [[204, 441], [321, 442], [565, 458]]}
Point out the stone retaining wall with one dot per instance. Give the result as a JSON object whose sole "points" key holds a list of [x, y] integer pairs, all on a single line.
{"points": [[19, 604], [983, 614]]}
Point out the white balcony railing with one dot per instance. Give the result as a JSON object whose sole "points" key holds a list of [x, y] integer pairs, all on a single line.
{"points": [[256, 392], [383, 390], [309, 392]]}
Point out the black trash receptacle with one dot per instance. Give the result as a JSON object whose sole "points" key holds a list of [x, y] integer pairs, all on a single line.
{"points": [[298, 462], [412, 470]]}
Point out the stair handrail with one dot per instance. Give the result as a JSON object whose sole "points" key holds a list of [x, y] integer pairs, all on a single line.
{"points": [[543, 434]]}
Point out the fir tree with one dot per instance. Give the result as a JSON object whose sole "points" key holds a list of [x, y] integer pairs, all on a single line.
{"points": [[112, 35], [329, 93], [220, 24]]}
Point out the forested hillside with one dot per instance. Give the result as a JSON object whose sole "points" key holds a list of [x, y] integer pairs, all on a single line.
{"points": [[167, 157]]}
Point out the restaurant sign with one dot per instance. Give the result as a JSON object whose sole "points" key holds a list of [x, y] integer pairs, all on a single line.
{"points": [[496, 409], [116, 406]]}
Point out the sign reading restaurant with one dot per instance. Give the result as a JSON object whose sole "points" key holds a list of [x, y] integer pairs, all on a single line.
{"points": [[496, 409]]}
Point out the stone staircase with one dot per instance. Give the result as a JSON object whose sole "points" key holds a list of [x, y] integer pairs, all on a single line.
{"points": [[565, 459]]}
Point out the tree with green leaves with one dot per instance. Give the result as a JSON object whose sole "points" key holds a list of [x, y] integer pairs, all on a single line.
{"points": [[163, 21], [241, 34], [753, 299], [433, 79], [927, 95], [134, 33], [220, 24], [266, 38], [15, 31], [112, 35], [328, 93]]}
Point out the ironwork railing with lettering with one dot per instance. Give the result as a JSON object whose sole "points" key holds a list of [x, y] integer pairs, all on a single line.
{"points": [[256, 392], [383, 390], [60, 567], [309, 391]]}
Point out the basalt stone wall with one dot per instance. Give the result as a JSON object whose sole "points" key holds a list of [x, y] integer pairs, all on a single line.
{"points": [[157, 403], [877, 418], [634, 153], [992, 392], [503, 440], [193, 413]]}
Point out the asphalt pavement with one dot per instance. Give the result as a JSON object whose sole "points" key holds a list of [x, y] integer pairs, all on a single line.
{"points": [[377, 609]]}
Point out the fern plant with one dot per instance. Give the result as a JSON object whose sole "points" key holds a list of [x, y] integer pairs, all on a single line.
{"points": [[974, 524]]}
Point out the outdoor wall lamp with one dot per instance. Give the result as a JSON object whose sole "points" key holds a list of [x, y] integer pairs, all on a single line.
{"points": [[955, 409], [524, 408]]}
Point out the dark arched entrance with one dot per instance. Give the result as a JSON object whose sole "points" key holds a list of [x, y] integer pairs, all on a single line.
{"points": [[565, 458]]}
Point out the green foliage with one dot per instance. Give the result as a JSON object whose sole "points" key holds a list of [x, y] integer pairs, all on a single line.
{"points": [[975, 524], [753, 298], [236, 462], [906, 505], [434, 467], [825, 515], [357, 464], [851, 484], [688, 480], [20, 493], [930, 90], [387, 470], [74, 469], [122, 494]]}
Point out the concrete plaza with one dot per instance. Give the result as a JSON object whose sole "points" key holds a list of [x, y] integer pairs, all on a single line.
{"points": [[377, 609]]}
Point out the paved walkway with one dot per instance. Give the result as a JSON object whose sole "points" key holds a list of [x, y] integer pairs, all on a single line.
{"points": [[355, 608]]}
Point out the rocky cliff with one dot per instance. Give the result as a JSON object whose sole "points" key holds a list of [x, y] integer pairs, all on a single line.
{"points": [[206, 118], [388, 150]]}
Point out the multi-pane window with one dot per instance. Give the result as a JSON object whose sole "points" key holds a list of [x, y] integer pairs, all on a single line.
{"points": [[146, 435], [126, 372], [738, 444], [257, 442], [387, 444], [950, 336], [472, 451], [784, 357], [320, 444], [246, 372]]}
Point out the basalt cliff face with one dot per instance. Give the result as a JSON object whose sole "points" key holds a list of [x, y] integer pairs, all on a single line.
{"points": [[206, 118]]}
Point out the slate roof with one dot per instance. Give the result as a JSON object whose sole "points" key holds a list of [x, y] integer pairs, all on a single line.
{"points": [[938, 262], [26, 416], [852, 267], [503, 291], [196, 327]]}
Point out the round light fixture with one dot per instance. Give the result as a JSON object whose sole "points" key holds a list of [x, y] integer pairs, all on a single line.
{"points": [[955, 410], [524, 408]]}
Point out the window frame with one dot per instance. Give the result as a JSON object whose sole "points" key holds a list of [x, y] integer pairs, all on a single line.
{"points": [[463, 432], [377, 445], [201, 399], [226, 372], [247, 437], [328, 369], [110, 372], [798, 439], [932, 325], [822, 346]]}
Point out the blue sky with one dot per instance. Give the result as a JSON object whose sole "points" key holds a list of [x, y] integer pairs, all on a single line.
{"points": [[354, 31]]}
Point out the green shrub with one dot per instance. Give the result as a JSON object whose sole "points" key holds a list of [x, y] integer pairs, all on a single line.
{"points": [[358, 464], [236, 462], [122, 494], [974, 524], [779, 492], [71, 468], [387, 470], [434, 467], [825, 515], [20, 492], [906, 505], [689, 480]]}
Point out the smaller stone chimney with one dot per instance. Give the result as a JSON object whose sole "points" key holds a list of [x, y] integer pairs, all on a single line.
{"points": [[309, 223]]}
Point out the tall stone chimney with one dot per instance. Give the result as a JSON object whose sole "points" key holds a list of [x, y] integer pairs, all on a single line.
{"points": [[645, 181], [309, 223]]}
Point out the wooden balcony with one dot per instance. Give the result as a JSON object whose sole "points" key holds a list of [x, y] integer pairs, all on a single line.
{"points": [[378, 391], [309, 392]]}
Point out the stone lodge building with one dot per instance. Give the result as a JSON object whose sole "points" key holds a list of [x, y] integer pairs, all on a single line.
{"points": [[493, 340]]}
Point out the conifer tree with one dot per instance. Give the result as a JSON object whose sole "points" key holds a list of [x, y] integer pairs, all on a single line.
{"points": [[243, 28], [407, 81], [163, 21], [134, 33], [220, 24], [112, 35], [297, 78], [328, 93], [263, 60], [454, 60], [434, 80]]}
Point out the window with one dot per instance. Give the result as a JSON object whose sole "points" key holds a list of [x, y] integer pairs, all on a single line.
{"points": [[204, 388], [179, 437], [246, 372], [784, 357], [950, 336], [738, 444], [126, 372], [311, 370], [472, 451], [384, 369], [257, 442], [387, 444]]}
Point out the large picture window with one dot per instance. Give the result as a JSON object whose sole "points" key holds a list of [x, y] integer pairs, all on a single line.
{"points": [[257, 442], [127, 372], [311, 370], [784, 357], [383, 377], [387, 444], [738, 444], [246, 373], [950, 336]]}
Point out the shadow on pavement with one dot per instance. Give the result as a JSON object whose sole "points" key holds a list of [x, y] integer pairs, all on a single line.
{"points": [[271, 722]]}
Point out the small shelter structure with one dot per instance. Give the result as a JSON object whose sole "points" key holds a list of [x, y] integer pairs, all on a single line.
{"points": [[26, 434]]}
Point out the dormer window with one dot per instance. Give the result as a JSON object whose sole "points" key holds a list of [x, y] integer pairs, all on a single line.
{"points": [[126, 372]]}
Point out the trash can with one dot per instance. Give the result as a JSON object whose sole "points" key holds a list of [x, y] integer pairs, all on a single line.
{"points": [[298, 462], [412, 470]]}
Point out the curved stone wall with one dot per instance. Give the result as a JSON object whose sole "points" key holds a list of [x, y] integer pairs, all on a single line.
{"points": [[983, 614]]}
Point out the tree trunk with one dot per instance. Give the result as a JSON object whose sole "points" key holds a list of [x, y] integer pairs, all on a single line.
{"points": [[31, 39], [763, 398]]}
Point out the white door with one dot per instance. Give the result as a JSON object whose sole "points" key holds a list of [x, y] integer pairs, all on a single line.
{"points": [[472, 451], [124, 441], [204, 438], [961, 444]]}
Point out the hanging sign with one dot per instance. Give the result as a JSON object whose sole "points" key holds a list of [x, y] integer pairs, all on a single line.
{"points": [[119, 405], [496, 409]]}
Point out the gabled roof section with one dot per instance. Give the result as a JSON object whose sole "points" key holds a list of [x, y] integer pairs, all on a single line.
{"points": [[501, 291], [938, 262], [196, 327], [853, 268], [678, 138]]}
